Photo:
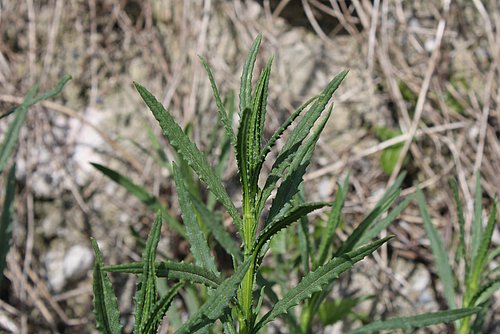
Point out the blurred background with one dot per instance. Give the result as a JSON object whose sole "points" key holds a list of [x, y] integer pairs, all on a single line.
{"points": [[424, 78]]}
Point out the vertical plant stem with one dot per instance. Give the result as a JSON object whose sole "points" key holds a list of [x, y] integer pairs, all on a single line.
{"points": [[246, 300]]}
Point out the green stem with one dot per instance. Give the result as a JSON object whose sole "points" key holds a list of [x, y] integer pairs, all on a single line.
{"points": [[247, 318]]}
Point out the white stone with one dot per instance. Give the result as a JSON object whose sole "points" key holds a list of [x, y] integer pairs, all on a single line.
{"points": [[77, 262]]}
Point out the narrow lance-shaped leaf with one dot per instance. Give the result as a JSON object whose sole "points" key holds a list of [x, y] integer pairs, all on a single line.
{"points": [[333, 222], [142, 195], [6, 218], [296, 170], [316, 280], [12, 134], [145, 297], [477, 222], [217, 302], [416, 321], [277, 135], [438, 250], [284, 220], [381, 225], [247, 74], [183, 146], [482, 254], [226, 121], [171, 270], [105, 305], [299, 133], [365, 225], [214, 224], [159, 310], [256, 131], [306, 123], [461, 251], [194, 235]]}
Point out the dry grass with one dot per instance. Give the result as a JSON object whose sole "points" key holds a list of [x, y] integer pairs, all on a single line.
{"points": [[445, 55]]}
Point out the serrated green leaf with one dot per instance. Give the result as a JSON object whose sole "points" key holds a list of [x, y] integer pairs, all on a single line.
{"points": [[145, 296], [142, 195], [333, 222], [226, 121], [247, 75], [183, 146], [415, 321], [256, 131], [438, 250], [278, 133], [159, 310], [6, 218], [171, 270], [284, 220], [296, 170], [316, 280], [242, 153], [298, 134], [105, 305], [217, 303], [214, 224], [194, 235]]}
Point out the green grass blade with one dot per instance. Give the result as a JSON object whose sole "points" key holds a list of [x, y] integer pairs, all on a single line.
{"points": [[284, 220], [486, 291], [333, 222], [6, 218], [183, 146], [381, 225], [359, 232], [159, 310], [171, 270], [443, 267], [14, 129], [416, 321], [247, 75], [12, 134], [142, 195], [217, 303], [145, 296], [226, 121], [194, 235], [461, 251], [316, 280], [277, 135], [296, 170], [105, 305], [214, 224], [477, 221], [482, 254]]}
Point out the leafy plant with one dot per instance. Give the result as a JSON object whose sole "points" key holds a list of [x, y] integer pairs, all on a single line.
{"points": [[236, 302], [6, 150], [479, 284]]}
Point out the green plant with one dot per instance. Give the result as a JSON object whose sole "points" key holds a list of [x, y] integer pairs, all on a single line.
{"points": [[235, 303], [478, 284], [6, 150]]}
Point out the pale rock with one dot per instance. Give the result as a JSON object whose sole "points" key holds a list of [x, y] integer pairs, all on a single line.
{"points": [[77, 262]]}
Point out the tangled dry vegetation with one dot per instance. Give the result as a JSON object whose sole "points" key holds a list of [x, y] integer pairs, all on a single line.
{"points": [[424, 75]]}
